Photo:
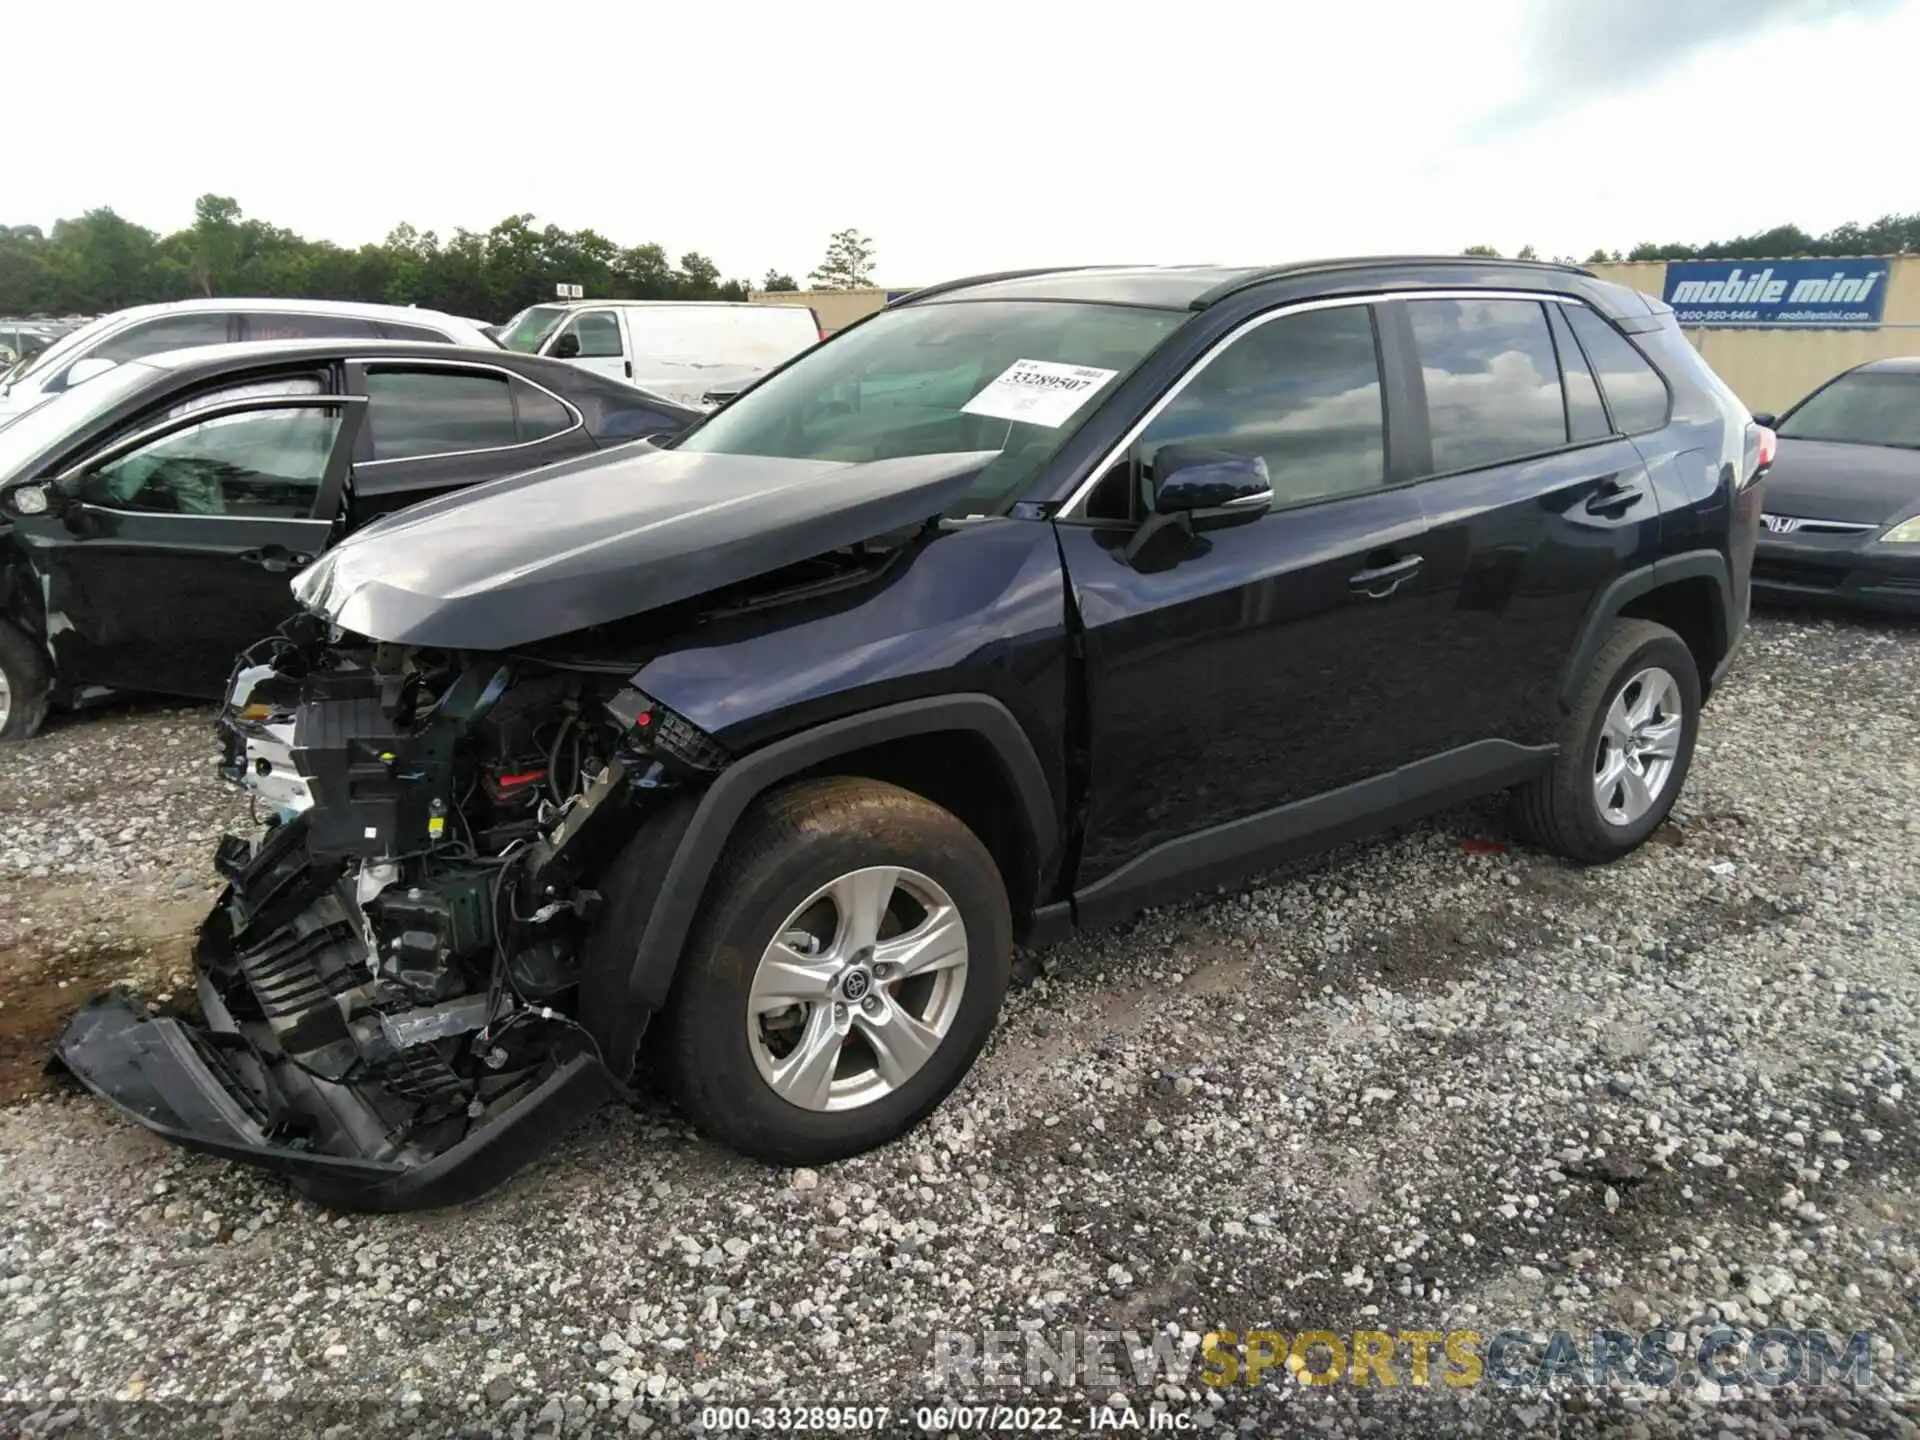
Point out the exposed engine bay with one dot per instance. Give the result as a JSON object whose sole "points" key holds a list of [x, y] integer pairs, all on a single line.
{"points": [[396, 960]]}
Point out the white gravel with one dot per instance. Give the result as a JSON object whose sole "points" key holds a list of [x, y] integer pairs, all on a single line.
{"points": [[1411, 1086]]}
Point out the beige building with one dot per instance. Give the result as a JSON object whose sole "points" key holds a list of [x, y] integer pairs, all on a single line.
{"points": [[835, 309], [1771, 369]]}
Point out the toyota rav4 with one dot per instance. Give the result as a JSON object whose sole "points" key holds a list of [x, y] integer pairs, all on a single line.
{"points": [[1029, 602]]}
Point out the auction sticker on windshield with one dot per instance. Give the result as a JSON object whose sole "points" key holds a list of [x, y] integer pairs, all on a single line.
{"points": [[1038, 392]]}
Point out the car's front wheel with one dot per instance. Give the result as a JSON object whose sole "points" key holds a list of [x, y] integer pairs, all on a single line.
{"points": [[24, 683], [849, 963]]}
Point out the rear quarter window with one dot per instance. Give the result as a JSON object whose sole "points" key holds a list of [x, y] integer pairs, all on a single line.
{"points": [[1636, 395]]}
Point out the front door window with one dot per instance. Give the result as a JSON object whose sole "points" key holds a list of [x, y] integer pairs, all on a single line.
{"points": [[265, 463]]}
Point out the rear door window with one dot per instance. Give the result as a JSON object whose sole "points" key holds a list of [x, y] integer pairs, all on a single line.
{"points": [[1635, 393], [295, 326], [169, 332], [1492, 380], [415, 413]]}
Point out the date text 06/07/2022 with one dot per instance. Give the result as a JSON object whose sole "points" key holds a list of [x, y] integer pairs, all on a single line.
{"points": [[940, 1419]]}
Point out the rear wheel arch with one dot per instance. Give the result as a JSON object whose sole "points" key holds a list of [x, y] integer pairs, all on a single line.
{"points": [[1690, 594], [655, 888]]}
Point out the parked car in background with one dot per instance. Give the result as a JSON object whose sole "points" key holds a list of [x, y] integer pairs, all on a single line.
{"points": [[21, 340], [698, 352], [1843, 503], [152, 519], [143, 330], [1026, 603]]}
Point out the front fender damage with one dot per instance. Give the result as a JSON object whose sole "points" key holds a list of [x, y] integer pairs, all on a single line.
{"points": [[390, 986]]}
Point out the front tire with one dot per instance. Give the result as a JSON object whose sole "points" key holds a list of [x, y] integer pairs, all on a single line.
{"points": [[847, 966], [25, 685], [1624, 750]]}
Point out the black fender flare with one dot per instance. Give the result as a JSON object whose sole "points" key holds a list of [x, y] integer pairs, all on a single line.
{"points": [[1625, 589], [672, 862]]}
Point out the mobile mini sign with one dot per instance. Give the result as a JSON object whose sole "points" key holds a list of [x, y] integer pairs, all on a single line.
{"points": [[1803, 294]]}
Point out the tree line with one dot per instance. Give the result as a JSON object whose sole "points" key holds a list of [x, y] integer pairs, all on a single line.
{"points": [[101, 261], [1889, 235]]}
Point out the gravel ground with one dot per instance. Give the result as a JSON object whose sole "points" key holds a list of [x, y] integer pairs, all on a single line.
{"points": [[1429, 1083]]}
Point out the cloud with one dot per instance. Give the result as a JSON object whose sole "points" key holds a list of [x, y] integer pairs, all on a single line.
{"points": [[1575, 51]]}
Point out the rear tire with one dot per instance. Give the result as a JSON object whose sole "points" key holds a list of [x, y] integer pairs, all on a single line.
{"points": [[1624, 750], [26, 685], [799, 1032]]}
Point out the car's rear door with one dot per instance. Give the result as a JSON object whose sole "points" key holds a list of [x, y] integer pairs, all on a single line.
{"points": [[436, 425], [1534, 506], [178, 540]]}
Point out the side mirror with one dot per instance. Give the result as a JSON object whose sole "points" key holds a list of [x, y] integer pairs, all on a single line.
{"points": [[1767, 418], [82, 371], [567, 347], [39, 498], [1193, 479], [1193, 487]]}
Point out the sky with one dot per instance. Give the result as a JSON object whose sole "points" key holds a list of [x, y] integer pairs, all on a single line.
{"points": [[979, 136]]}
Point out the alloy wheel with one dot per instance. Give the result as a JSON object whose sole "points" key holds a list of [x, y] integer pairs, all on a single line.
{"points": [[6, 700], [858, 989], [1639, 742]]}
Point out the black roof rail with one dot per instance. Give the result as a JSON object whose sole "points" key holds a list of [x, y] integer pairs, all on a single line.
{"points": [[967, 280], [1369, 262]]}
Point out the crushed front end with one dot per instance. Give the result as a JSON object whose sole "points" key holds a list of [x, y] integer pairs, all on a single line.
{"points": [[389, 986]]}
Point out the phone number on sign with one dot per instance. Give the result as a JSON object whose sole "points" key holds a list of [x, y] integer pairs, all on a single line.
{"points": [[745, 1419]]}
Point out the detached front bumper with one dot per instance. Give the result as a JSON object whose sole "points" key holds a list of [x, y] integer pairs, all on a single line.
{"points": [[1842, 571], [205, 1090], [303, 1064]]}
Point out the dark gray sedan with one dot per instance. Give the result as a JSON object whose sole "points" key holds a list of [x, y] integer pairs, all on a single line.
{"points": [[1842, 523], [152, 518]]}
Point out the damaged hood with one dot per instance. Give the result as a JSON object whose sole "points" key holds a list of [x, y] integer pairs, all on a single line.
{"points": [[595, 540]]}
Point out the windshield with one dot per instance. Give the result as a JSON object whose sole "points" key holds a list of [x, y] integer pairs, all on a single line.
{"points": [[1016, 376], [1863, 409], [531, 326], [29, 435]]}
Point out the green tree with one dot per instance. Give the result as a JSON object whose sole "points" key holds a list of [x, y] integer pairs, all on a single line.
{"points": [[1486, 251], [778, 280], [699, 276], [1527, 252], [99, 261], [848, 264], [214, 244]]}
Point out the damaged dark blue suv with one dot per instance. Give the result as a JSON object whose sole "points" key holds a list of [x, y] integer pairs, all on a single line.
{"points": [[1031, 601]]}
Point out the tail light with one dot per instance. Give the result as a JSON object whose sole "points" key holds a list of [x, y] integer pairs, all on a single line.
{"points": [[1762, 445]]}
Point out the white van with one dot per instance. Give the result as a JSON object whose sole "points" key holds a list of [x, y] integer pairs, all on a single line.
{"points": [[697, 352], [145, 330]]}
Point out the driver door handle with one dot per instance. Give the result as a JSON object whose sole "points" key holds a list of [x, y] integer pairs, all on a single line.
{"points": [[275, 558], [1380, 581]]}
